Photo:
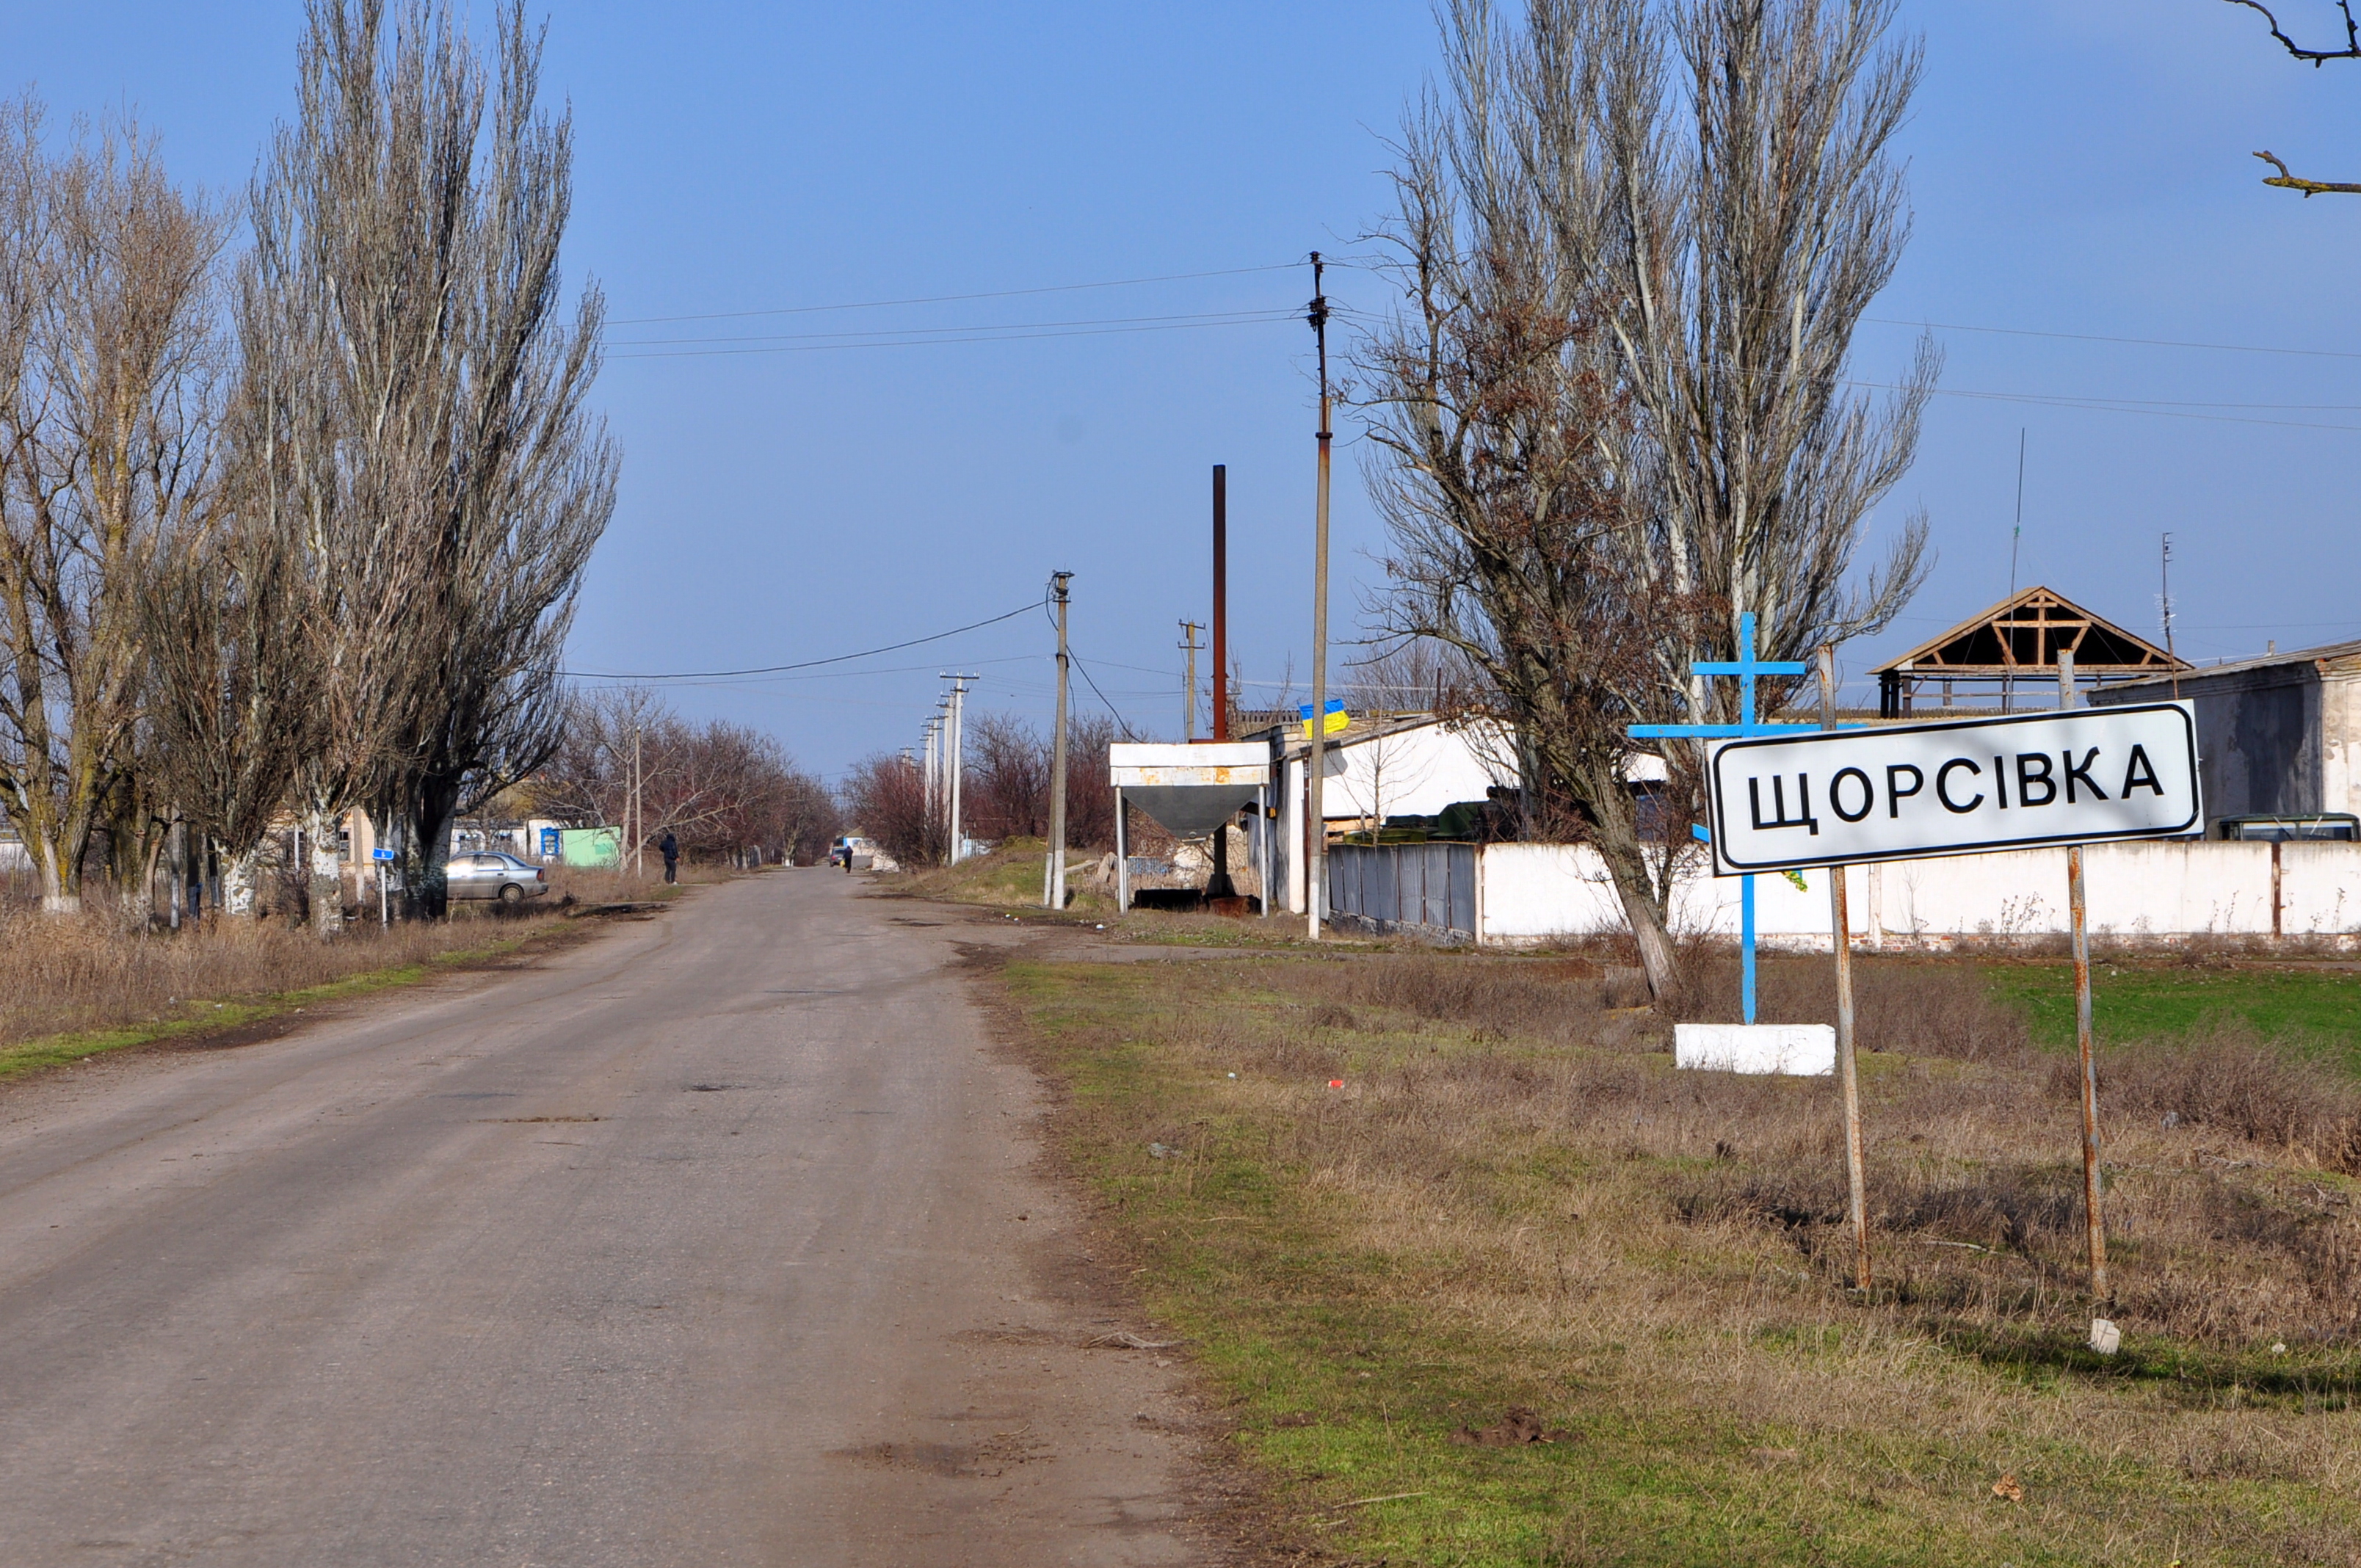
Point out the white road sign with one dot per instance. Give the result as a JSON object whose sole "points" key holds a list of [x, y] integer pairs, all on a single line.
{"points": [[1898, 792]]}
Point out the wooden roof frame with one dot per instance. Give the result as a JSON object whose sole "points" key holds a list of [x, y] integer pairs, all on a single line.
{"points": [[1992, 645], [2020, 639]]}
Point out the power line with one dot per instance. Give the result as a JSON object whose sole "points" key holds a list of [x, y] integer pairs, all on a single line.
{"points": [[1257, 313], [1110, 709], [803, 664], [2114, 406], [955, 299], [2097, 337], [908, 341]]}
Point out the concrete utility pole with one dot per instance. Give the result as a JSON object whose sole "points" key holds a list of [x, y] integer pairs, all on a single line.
{"points": [[929, 731], [1189, 630], [1056, 877], [1315, 828], [955, 753], [639, 806]]}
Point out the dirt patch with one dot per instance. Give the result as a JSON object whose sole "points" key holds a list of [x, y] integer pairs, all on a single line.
{"points": [[1516, 1428], [1239, 1515], [1007, 1336], [994, 1457]]}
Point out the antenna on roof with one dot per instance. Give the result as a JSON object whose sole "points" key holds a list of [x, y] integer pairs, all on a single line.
{"points": [[2164, 603], [2019, 532]]}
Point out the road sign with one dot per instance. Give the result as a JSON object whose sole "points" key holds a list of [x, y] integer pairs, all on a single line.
{"points": [[380, 854], [2084, 775]]}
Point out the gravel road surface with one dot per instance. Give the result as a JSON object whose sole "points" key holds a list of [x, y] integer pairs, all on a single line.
{"points": [[717, 1239]]}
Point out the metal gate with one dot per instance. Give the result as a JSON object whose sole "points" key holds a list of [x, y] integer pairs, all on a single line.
{"points": [[1426, 890]]}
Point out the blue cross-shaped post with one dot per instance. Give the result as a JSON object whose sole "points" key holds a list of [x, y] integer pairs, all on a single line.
{"points": [[1746, 668]]}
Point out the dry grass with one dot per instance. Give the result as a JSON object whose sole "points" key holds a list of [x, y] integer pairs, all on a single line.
{"points": [[1638, 1251], [62, 976]]}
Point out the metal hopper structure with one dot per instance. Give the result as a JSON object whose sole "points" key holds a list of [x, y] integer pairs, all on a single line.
{"points": [[1191, 790]]}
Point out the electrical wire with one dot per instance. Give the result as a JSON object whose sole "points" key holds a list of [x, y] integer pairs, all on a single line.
{"points": [[956, 298], [906, 341], [2139, 342], [1259, 313], [1112, 711], [803, 664]]}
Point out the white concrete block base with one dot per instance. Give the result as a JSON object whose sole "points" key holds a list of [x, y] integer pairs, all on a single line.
{"points": [[1804, 1051]]}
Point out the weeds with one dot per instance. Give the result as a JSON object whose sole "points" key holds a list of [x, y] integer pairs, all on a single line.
{"points": [[1513, 1199], [86, 972]]}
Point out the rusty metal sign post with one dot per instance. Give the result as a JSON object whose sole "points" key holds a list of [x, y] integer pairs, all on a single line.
{"points": [[2105, 1337]]}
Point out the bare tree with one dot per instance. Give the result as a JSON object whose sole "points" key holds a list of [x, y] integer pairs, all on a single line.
{"points": [[424, 424], [1752, 238], [232, 701], [2349, 49], [719, 787], [885, 798], [1006, 795], [107, 416], [533, 470], [1614, 417]]}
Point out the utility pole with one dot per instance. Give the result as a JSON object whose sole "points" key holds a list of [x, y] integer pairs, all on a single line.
{"points": [[928, 778], [1315, 828], [1056, 877], [638, 803], [955, 751], [1189, 630]]}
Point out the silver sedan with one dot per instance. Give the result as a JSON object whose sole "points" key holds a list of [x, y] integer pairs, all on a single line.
{"points": [[495, 875]]}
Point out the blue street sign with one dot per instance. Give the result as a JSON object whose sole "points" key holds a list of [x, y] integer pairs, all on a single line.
{"points": [[380, 854]]}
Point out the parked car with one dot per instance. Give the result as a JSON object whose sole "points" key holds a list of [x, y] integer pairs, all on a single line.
{"points": [[846, 849], [494, 875]]}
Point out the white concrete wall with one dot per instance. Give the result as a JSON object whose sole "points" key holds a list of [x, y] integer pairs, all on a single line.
{"points": [[1536, 893]]}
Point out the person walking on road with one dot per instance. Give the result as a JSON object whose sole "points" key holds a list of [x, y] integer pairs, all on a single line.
{"points": [[670, 850]]}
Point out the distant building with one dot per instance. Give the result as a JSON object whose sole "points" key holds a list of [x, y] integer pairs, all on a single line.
{"points": [[2277, 735]]}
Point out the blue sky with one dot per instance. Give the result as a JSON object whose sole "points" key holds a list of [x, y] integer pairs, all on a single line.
{"points": [[2077, 167]]}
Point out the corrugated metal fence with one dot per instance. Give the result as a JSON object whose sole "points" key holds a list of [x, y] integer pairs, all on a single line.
{"points": [[1426, 889]]}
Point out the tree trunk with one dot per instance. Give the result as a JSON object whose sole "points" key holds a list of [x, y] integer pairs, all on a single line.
{"points": [[60, 888], [240, 874], [438, 807], [327, 875], [1627, 864]]}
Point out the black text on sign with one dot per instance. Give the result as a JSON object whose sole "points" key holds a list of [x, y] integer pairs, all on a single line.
{"points": [[1887, 794]]}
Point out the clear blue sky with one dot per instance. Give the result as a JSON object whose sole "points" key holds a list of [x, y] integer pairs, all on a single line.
{"points": [[2077, 167]]}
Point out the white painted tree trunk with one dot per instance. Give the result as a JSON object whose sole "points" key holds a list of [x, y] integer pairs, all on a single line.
{"points": [[327, 875], [55, 898], [240, 873]]}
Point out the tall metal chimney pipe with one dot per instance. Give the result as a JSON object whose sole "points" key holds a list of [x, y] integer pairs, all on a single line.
{"points": [[1221, 602], [1219, 884]]}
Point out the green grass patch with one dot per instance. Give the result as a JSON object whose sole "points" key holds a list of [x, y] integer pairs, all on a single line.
{"points": [[2142, 1001]]}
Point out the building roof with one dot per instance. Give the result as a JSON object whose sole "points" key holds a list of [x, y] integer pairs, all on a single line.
{"points": [[2026, 632], [2347, 654]]}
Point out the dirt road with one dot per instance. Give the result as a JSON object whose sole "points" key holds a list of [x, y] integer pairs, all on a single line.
{"points": [[716, 1240]]}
